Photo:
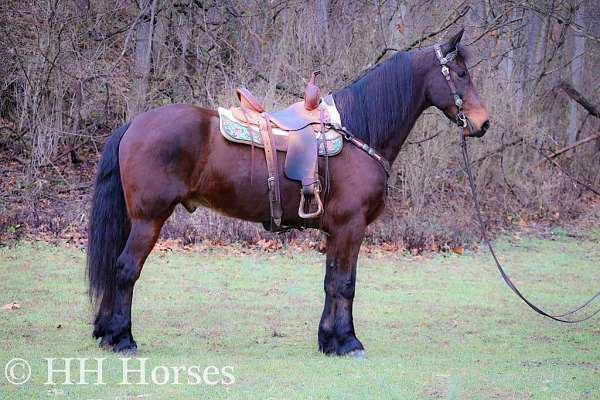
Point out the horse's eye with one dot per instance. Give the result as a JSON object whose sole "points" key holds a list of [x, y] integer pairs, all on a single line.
{"points": [[462, 74]]}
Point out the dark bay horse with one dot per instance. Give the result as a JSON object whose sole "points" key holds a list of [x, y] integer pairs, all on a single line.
{"points": [[176, 155]]}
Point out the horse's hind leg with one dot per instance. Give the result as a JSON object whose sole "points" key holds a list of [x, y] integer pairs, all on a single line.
{"points": [[141, 240]]}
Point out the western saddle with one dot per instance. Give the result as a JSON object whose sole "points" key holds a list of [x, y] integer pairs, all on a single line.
{"points": [[301, 120]]}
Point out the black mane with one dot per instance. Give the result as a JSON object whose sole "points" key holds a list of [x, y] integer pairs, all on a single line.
{"points": [[376, 105]]}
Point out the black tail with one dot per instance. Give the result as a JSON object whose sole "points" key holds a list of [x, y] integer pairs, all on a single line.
{"points": [[109, 223]]}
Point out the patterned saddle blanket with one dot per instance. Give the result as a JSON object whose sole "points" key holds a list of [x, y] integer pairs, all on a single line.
{"points": [[238, 131]]}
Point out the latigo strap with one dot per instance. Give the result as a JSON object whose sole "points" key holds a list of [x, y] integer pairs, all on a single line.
{"points": [[272, 168]]}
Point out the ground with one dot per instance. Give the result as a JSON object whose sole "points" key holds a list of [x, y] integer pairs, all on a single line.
{"points": [[439, 326]]}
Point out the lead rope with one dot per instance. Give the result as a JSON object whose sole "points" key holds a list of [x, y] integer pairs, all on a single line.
{"points": [[511, 285], [462, 121]]}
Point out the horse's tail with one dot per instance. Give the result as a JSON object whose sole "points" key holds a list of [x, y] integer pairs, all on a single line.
{"points": [[108, 223]]}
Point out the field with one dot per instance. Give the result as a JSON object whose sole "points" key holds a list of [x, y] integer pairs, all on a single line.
{"points": [[439, 326]]}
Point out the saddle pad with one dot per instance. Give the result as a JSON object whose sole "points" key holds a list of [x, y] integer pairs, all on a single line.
{"points": [[238, 132]]}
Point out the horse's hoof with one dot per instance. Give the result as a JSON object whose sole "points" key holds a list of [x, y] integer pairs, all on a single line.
{"points": [[126, 347], [127, 351], [105, 347], [131, 352], [359, 354], [105, 343]]}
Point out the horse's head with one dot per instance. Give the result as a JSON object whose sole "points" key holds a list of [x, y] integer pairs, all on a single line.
{"points": [[450, 89]]}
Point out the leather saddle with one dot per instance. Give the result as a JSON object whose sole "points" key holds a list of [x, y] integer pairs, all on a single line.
{"points": [[302, 120]]}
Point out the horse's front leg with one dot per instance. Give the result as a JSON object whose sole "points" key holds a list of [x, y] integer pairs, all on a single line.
{"points": [[336, 330]]}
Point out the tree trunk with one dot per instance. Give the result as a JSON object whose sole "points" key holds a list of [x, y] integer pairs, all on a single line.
{"points": [[539, 61], [576, 76], [322, 19], [143, 57], [533, 28]]}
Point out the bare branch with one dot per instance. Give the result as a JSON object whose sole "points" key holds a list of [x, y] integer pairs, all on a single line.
{"points": [[578, 97], [429, 35], [570, 147]]}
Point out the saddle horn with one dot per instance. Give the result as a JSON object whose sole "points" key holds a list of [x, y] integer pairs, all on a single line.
{"points": [[312, 93]]}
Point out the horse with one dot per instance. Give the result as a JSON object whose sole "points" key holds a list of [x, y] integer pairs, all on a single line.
{"points": [[175, 154]]}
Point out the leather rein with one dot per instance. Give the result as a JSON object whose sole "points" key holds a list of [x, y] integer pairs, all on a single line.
{"points": [[466, 130]]}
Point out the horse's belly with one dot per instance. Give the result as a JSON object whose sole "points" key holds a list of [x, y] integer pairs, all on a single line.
{"points": [[237, 202]]}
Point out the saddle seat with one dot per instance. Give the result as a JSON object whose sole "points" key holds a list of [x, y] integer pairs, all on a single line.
{"points": [[292, 118]]}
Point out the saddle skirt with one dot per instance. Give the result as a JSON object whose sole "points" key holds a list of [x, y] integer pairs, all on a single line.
{"points": [[239, 131]]}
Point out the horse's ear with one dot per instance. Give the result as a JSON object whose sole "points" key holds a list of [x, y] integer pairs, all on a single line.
{"points": [[455, 40]]}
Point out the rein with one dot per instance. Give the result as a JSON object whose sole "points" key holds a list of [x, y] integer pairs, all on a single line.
{"points": [[509, 282], [465, 130]]}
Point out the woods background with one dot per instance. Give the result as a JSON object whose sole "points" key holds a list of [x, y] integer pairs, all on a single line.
{"points": [[71, 71]]}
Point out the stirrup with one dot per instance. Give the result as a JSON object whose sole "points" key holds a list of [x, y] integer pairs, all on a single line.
{"points": [[315, 214]]}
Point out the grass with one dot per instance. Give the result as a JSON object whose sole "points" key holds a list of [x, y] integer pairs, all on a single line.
{"points": [[439, 327]]}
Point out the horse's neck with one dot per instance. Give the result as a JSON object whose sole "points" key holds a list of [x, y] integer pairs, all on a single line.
{"points": [[390, 147]]}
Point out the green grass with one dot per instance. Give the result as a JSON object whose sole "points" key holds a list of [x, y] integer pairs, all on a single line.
{"points": [[442, 327]]}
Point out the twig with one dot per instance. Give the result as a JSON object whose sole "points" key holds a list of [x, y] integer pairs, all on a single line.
{"points": [[64, 153], [499, 150], [74, 188], [562, 20], [575, 95], [574, 179], [418, 42], [567, 148], [424, 140]]}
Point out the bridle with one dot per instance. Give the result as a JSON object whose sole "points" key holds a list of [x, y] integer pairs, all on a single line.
{"points": [[460, 118], [466, 131]]}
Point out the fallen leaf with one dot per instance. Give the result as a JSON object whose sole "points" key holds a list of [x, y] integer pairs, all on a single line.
{"points": [[322, 246], [268, 245], [389, 246], [458, 250], [11, 306]]}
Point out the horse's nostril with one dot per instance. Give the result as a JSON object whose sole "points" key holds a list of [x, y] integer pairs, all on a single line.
{"points": [[485, 126]]}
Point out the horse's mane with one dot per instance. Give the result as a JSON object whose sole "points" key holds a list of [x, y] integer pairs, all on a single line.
{"points": [[376, 105]]}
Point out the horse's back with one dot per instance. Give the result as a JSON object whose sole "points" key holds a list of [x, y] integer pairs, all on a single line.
{"points": [[170, 120]]}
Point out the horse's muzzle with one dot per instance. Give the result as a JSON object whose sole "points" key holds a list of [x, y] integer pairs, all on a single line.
{"points": [[470, 132]]}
